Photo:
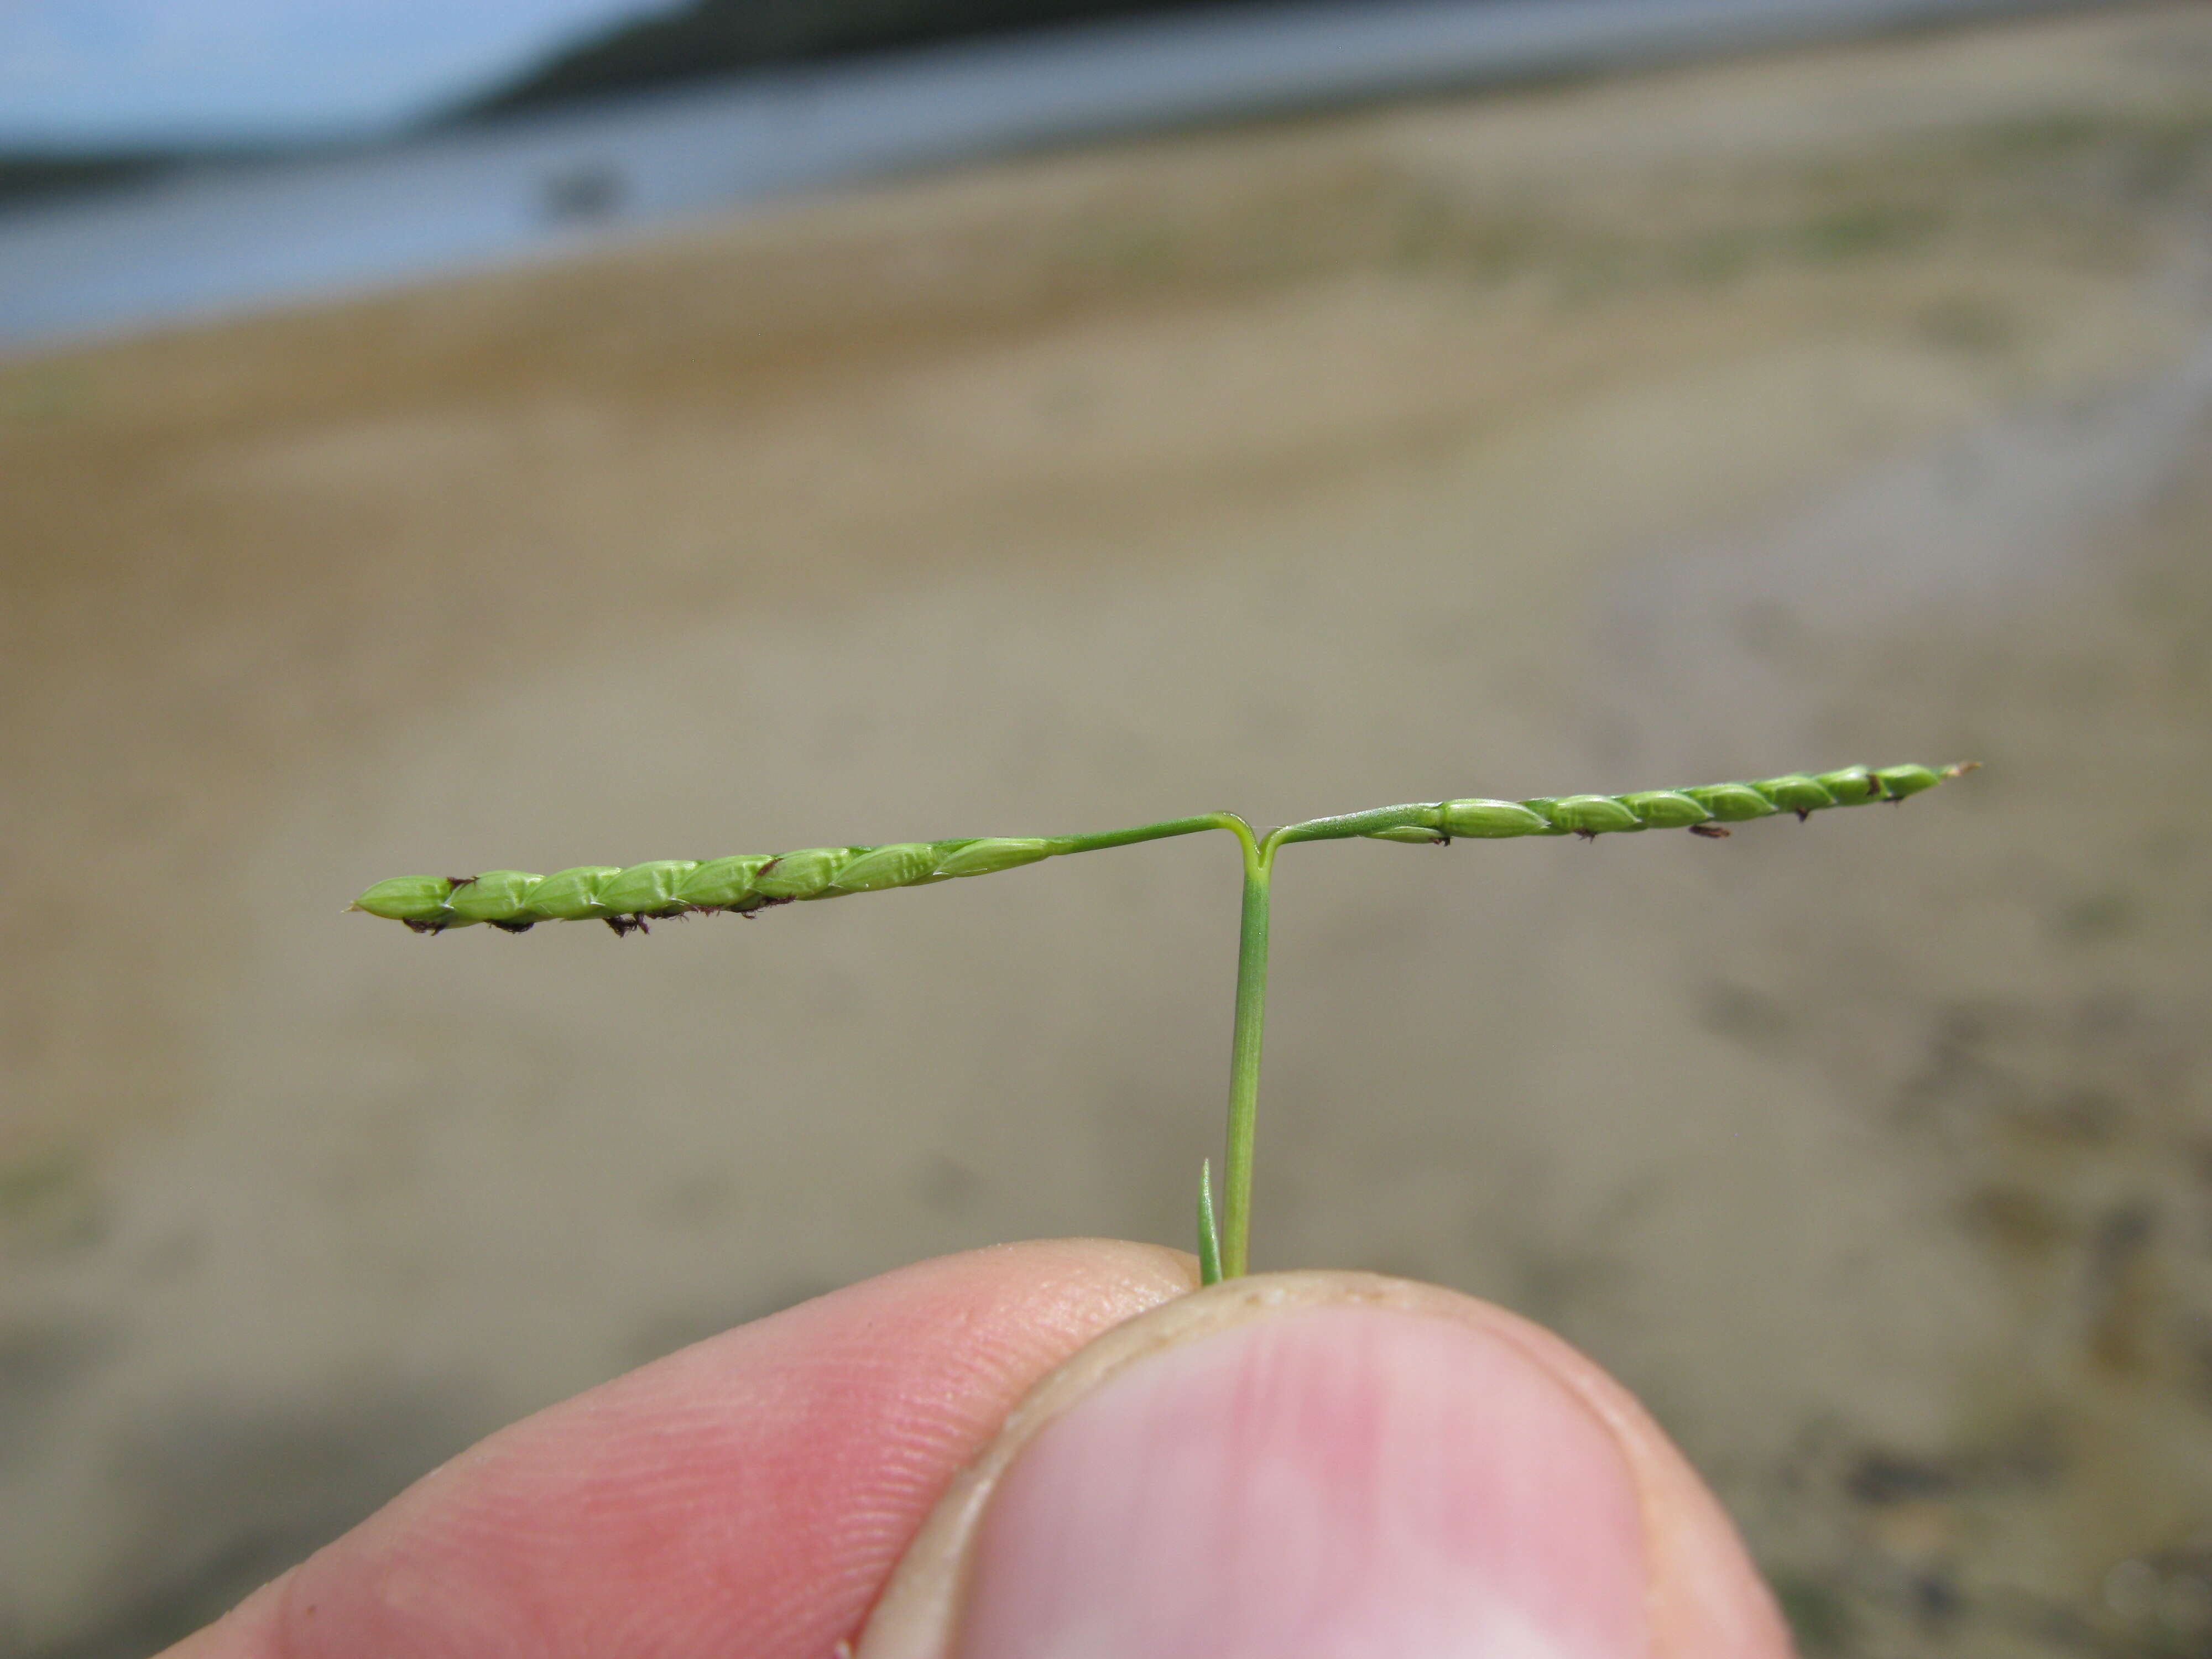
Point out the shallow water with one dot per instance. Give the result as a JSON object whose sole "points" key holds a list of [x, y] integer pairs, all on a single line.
{"points": [[219, 240]]}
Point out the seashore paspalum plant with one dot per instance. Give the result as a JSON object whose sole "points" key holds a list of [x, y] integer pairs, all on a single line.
{"points": [[628, 900]]}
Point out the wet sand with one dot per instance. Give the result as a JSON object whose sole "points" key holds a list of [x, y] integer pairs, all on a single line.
{"points": [[1808, 409]]}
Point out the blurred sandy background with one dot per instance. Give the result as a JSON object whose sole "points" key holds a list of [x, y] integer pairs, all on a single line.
{"points": [[1854, 406]]}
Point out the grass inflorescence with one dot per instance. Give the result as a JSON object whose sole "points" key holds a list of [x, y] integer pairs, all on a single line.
{"points": [[628, 899]]}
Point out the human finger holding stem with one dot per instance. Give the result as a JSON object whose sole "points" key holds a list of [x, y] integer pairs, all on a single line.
{"points": [[1061, 1451]]}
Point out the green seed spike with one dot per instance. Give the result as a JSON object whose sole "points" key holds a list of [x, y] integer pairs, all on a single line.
{"points": [[1705, 809], [627, 899]]}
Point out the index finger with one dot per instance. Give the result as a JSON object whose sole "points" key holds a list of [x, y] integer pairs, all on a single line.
{"points": [[749, 1494]]}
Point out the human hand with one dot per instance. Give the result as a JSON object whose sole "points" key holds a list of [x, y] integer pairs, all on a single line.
{"points": [[1330, 1465]]}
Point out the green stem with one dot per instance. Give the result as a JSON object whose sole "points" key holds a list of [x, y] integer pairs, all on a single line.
{"points": [[1166, 827], [1244, 1053], [1224, 1250]]}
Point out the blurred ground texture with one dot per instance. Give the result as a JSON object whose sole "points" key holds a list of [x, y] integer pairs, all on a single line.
{"points": [[1797, 412]]}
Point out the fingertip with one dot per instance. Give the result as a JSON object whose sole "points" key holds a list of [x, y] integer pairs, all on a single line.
{"points": [[1329, 1461], [1708, 1600], [248, 1631]]}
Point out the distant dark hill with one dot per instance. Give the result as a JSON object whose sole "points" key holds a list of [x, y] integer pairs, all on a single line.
{"points": [[717, 37]]}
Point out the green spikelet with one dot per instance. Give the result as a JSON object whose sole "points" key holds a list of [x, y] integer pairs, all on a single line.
{"points": [[500, 897], [573, 894], [805, 874], [991, 854], [1732, 803], [1664, 809], [903, 866], [418, 900], [725, 884], [1486, 818], [648, 889]]}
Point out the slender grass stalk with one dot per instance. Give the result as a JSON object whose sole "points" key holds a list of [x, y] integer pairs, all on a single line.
{"points": [[628, 899], [1250, 1024]]}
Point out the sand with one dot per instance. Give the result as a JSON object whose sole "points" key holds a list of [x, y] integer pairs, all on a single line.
{"points": [[1852, 405]]}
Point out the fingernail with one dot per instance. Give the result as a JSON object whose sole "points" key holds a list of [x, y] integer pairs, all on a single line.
{"points": [[1323, 1481]]}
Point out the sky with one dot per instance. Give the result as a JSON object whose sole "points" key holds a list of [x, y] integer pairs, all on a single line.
{"points": [[116, 73]]}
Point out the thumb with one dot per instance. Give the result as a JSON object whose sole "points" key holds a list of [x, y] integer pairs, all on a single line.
{"points": [[1327, 1466]]}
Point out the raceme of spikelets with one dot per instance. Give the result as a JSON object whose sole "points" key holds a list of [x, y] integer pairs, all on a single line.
{"points": [[627, 899], [1707, 809]]}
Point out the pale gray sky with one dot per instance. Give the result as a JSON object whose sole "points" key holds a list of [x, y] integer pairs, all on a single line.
{"points": [[98, 72]]}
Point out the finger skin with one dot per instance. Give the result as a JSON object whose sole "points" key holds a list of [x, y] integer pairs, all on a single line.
{"points": [[748, 1495], [1708, 1601], [1705, 1599]]}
